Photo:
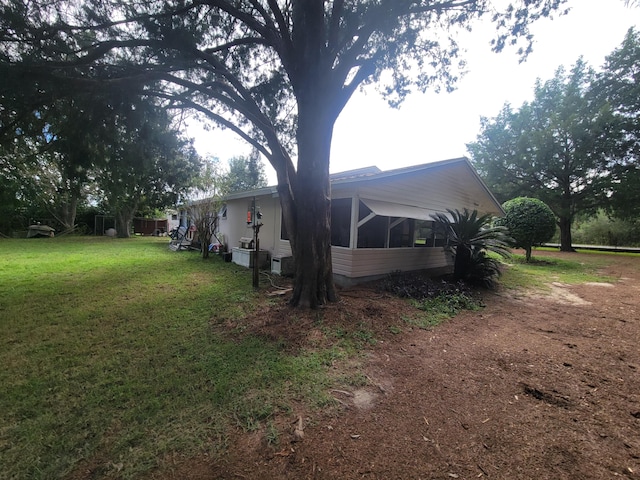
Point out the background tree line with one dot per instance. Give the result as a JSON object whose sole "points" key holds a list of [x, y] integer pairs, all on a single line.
{"points": [[62, 150], [575, 146], [108, 150]]}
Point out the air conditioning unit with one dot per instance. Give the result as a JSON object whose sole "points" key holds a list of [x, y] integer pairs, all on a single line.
{"points": [[282, 266]]}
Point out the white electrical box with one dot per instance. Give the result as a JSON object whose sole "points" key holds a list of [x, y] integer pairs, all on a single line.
{"points": [[282, 265]]}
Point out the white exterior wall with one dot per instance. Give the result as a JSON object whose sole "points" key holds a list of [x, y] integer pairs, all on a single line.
{"points": [[234, 226], [371, 262]]}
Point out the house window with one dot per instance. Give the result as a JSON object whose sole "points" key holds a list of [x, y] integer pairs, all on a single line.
{"points": [[340, 222], [174, 216], [373, 233], [284, 235], [401, 233], [223, 211], [427, 235]]}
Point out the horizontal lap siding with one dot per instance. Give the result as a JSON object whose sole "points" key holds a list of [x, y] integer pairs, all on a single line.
{"points": [[439, 190], [366, 262], [283, 249], [342, 260]]}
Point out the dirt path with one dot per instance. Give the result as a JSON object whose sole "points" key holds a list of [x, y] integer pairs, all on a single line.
{"points": [[532, 386]]}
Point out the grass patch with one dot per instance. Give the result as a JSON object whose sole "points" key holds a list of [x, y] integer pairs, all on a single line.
{"points": [[438, 309], [543, 270], [439, 300], [109, 359]]}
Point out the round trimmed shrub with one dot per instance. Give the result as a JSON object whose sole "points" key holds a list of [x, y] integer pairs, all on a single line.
{"points": [[530, 222]]}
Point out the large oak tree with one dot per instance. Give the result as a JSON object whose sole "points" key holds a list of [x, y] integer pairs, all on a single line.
{"points": [[619, 85], [559, 148], [276, 72]]}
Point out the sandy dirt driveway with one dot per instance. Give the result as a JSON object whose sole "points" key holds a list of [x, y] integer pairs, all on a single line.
{"points": [[533, 386]]}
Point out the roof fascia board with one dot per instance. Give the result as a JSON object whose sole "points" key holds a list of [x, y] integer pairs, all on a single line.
{"points": [[260, 192], [401, 171]]}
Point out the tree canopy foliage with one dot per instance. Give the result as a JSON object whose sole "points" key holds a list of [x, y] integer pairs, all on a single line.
{"points": [[147, 163], [567, 147], [246, 173], [619, 85], [61, 151], [275, 72]]}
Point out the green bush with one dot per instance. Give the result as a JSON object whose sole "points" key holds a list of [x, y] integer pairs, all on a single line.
{"points": [[530, 222], [602, 230]]}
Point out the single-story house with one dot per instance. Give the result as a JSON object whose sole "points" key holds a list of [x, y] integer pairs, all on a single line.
{"points": [[380, 220]]}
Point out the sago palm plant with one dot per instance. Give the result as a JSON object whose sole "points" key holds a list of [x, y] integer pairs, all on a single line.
{"points": [[470, 236]]}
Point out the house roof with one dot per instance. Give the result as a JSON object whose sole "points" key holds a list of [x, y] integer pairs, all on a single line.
{"points": [[272, 190], [354, 174], [367, 178], [449, 184], [377, 173]]}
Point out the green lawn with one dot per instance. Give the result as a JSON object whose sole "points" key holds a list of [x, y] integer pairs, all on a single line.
{"points": [[109, 356], [112, 358], [543, 270]]}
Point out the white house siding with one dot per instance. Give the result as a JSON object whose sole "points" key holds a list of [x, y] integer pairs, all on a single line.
{"points": [[436, 189], [234, 226], [270, 231], [283, 249], [372, 262]]}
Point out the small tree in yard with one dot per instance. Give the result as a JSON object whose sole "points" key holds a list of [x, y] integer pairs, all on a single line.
{"points": [[204, 216], [530, 222], [470, 237], [213, 185]]}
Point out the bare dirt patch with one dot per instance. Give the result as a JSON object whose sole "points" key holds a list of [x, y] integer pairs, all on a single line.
{"points": [[529, 387]]}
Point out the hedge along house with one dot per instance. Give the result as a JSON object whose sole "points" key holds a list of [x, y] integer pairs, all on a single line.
{"points": [[380, 221]]}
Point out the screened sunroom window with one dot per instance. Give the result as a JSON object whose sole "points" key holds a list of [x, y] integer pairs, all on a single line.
{"points": [[373, 233], [401, 233], [427, 235], [340, 222]]}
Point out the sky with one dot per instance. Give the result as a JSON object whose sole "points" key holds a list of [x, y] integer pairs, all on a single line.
{"points": [[430, 127]]}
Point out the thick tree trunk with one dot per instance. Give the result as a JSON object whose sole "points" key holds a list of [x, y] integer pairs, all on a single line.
{"points": [[565, 235], [461, 263], [65, 210], [306, 198], [314, 285], [68, 212], [311, 242], [123, 222]]}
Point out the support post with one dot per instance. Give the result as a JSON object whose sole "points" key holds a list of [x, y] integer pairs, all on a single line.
{"points": [[256, 256], [255, 218]]}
